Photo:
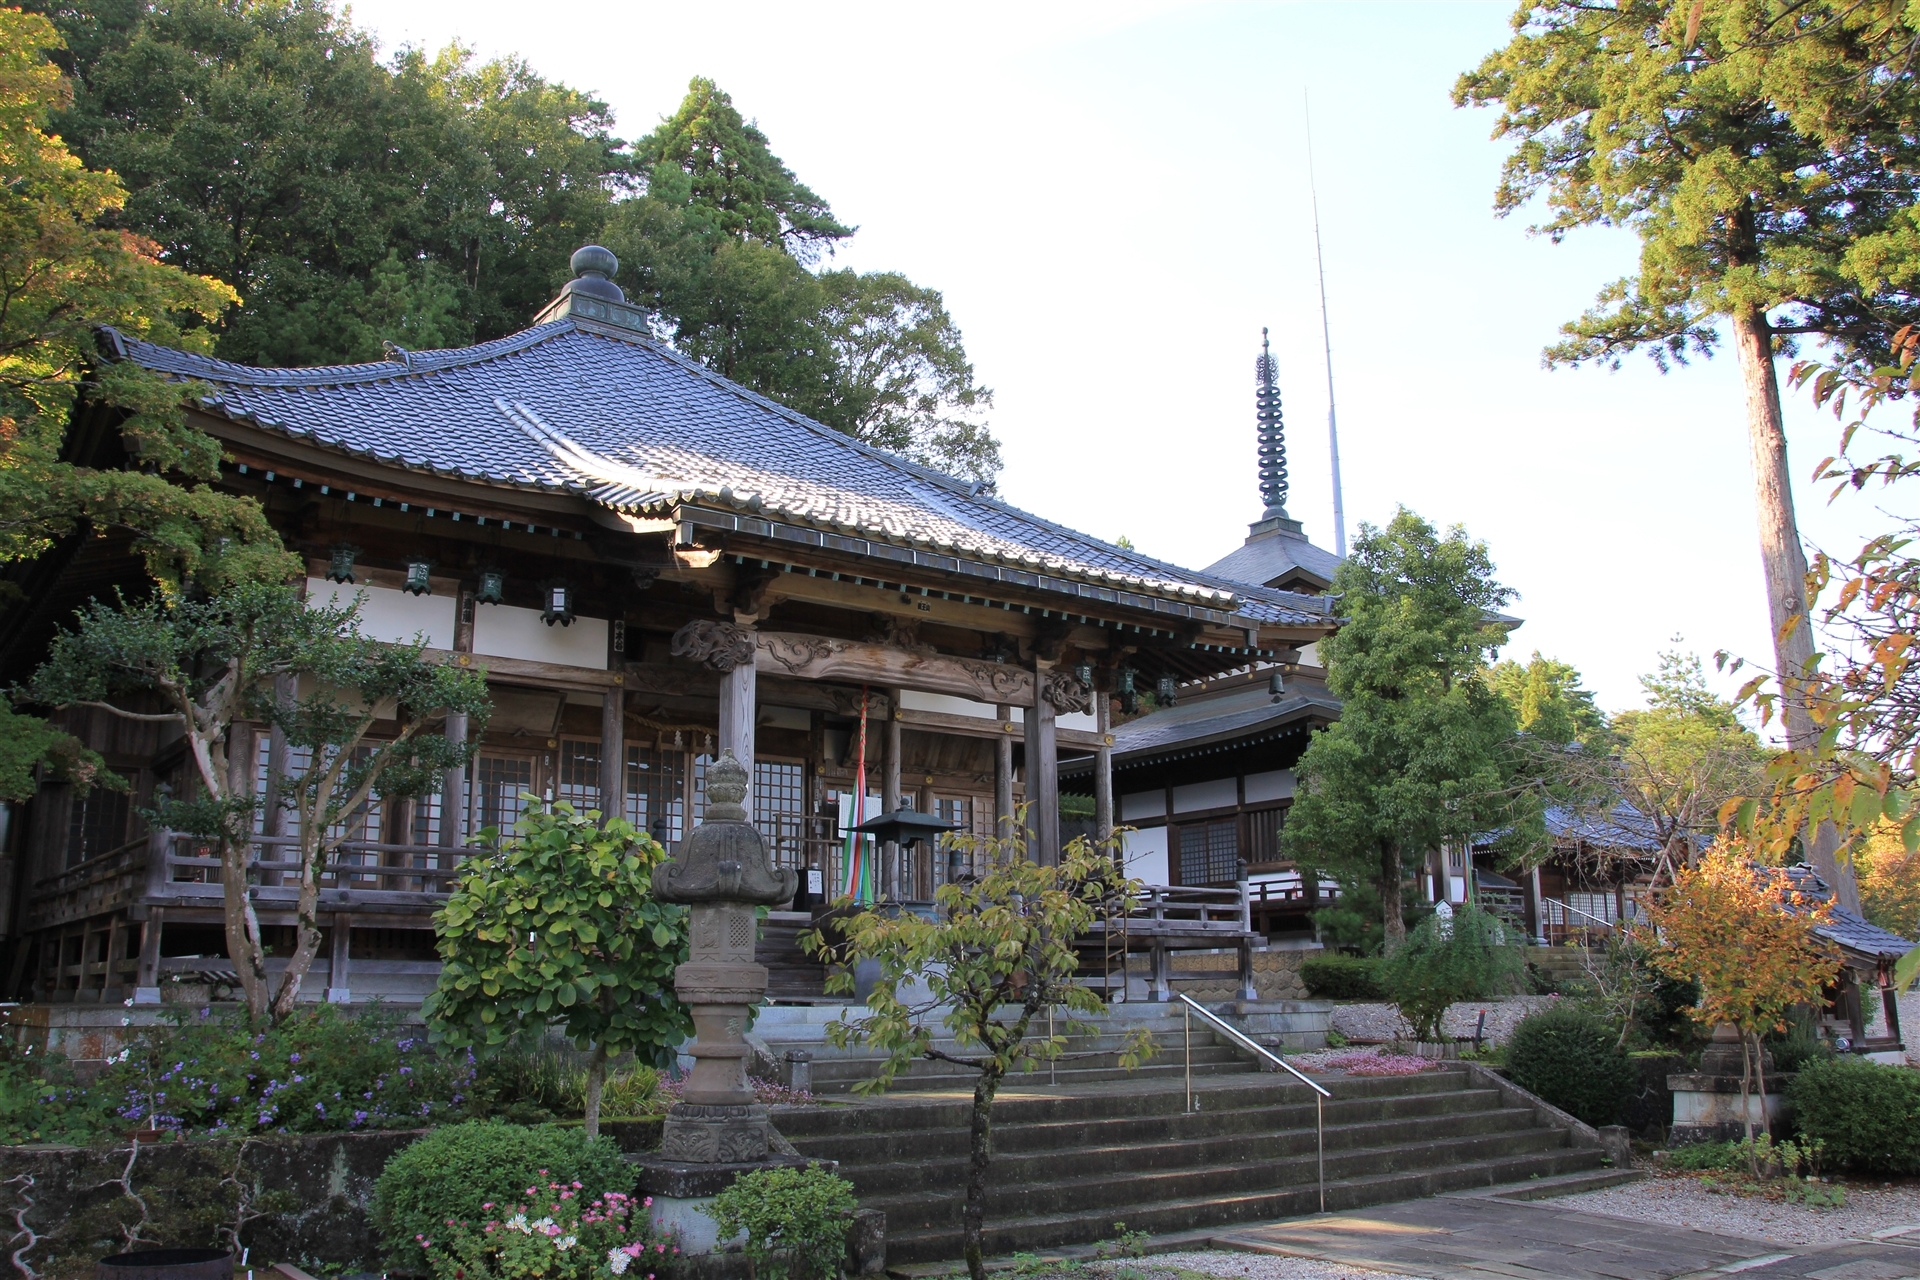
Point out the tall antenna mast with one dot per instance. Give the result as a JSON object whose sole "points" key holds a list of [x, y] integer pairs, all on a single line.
{"points": [[1326, 337]]}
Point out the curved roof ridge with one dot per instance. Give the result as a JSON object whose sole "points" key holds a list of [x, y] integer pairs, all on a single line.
{"points": [[192, 365]]}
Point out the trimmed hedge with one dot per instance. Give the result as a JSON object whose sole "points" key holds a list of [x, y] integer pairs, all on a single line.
{"points": [[453, 1172], [1570, 1057], [1338, 977], [1867, 1114]]}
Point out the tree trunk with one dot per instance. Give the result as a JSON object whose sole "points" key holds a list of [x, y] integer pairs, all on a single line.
{"points": [[973, 1218], [306, 932], [1785, 564], [1391, 914], [244, 946], [1760, 1076], [1746, 1108], [596, 1084]]}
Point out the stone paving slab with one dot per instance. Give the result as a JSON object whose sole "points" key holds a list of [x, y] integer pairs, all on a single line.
{"points": [[1478, 1237]]}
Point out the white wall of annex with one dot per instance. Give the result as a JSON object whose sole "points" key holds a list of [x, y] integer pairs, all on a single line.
{"points": [[1277, 785], [1221, 793], [504, 631], [386, 614], [1146, 854], [1143, 804]]}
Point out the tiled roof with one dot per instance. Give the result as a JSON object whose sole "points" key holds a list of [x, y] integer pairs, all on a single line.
{"points": [[1622, 827], [1243, 713], [627, 422], [1274, 555], [1844, 927]]}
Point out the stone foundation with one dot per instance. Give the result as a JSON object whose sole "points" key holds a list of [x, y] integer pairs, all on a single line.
{"points": [[1706, 1108]]}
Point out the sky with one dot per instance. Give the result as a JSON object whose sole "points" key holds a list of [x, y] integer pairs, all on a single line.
{"points": [[1114, 199]]}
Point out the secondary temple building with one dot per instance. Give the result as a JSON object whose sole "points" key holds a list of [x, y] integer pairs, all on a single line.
{"points": [[651, 564]]}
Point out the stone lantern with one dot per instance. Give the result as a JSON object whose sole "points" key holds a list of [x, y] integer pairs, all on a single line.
{"points": [[716, 1131]]}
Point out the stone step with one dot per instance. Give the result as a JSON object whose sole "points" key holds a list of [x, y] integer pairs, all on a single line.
{"points": [[1250, 1159], [1285, 1119], [1019, 1104], [1073, 1160], [908, 1243]]}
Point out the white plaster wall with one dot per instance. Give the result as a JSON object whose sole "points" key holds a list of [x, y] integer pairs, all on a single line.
{"points": [[1085, 721], [1143, 804], [1221, 793], [505, 631], [1310, 655], [944, 704], [386, 614], [1277, 785], [1146, 854]]}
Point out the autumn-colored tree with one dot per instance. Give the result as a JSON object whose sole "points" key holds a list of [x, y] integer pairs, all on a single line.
{"points": [[62, 273], [966, 986], [1745, 934]]}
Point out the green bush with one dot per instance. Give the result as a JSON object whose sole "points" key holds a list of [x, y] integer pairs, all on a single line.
{"points": [[796, 1221], [318, 1071], [1706, 1157], [1338, 977], [1570, 1057], [1469, 955], [1866, 1115], [461, 1171], [1800, 1046]]}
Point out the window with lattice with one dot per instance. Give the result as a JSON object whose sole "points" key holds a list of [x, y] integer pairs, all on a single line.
{"points": [[1209, 851], [656, 793]]}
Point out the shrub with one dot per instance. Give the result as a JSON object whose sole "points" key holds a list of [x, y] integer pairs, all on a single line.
{"points": [[796, 1221], [551, 1231], [459, 1172], [1800, 1046], [1467, 955], [41, 1100], [1649, 1107], [1337, 977], [317, 1071], [1570, 1057], [1866, 1115]]}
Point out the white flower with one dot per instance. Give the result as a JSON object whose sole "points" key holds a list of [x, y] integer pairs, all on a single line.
{"points": [[618, 1261], [565, 1243]]}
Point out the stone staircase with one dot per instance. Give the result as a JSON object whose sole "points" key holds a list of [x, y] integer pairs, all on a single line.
{"points": [[1073, 1160], [1566, 966], [1088, 1059]]}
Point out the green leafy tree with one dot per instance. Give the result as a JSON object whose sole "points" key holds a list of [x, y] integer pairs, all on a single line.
{"points": [[558, 925], [211, 664], [722, 248], [965, 986], [1686, 754], [731, 176], [350, 203], [1421, 753], [1548, 700], [1764, 152], [1453, 955]]}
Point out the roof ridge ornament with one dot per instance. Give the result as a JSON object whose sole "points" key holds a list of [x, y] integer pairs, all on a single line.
{"points": [[1272, 430], [592, 294]]}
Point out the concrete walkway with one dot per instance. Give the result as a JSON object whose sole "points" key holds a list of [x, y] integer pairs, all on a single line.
{"points": [[1480, 1235]]}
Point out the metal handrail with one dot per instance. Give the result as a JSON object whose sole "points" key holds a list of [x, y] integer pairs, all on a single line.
{"points": [[1253, 1046], [1572, 910]]}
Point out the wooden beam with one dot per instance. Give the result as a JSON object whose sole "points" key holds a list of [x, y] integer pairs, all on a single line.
{"points": [[855, 662], [979, 727]]}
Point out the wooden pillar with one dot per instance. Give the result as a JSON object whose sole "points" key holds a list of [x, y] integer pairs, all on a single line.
{"points": [[738, 691], [1043, 776], [1103, 768], [146, 989], [1890, 1005], [338, 991], [892, 856], [613, 755], [1003, 775], [453, 788]]}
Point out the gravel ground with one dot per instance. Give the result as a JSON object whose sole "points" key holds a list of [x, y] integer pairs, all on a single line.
{"points": [[1380, 1022], [1682, 1202], [1242, 1266]]}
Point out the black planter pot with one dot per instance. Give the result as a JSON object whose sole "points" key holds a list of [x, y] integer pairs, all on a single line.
{"points": [[166, 1264]]}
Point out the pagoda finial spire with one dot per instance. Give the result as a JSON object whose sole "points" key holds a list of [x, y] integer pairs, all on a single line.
{"points": [[1273, 430]]}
